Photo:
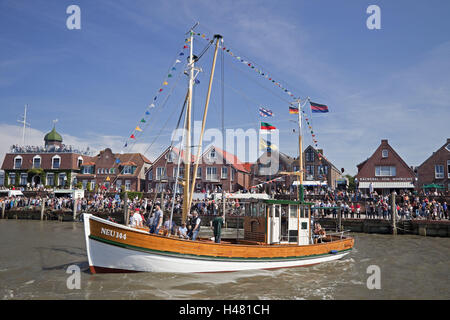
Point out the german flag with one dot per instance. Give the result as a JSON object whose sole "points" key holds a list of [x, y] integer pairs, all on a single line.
{"points": [[293, 110], [267, 126], [315, 107]]}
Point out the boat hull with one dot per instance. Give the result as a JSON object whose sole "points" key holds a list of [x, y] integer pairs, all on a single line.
{"points": [[115, 248]]}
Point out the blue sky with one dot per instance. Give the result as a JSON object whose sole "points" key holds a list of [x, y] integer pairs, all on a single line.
{"points": [[392, 83]]}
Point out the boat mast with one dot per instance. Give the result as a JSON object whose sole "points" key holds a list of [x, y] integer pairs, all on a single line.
{"points": [[300, 152], [205, 113], [187, 153]]}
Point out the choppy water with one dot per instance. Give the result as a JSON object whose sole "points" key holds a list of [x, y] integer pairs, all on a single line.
{"points": [[35, 255]]}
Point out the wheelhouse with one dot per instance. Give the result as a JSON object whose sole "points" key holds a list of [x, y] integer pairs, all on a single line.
{"points": [[276, 221]]}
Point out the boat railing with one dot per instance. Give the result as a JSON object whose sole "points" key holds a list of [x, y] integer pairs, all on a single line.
{"points": [[339, 234]]}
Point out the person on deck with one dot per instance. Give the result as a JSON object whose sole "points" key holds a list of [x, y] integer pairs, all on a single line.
{"points": [[195, 225], [157, 220], [136, 219], [217, 227]]}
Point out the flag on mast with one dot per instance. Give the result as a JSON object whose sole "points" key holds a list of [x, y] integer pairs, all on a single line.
{"points": [[316, 107], [265, 113], [293, 110], [267, 126]]}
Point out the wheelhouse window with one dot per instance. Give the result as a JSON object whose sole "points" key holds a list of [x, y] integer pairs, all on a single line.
{"points": [[439, 171], [385, 171]]}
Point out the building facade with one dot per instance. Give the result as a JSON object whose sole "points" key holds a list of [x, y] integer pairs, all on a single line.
{"points": [[114, 171], [436, 169], [54, 165], [384, 172], [217, 170]]}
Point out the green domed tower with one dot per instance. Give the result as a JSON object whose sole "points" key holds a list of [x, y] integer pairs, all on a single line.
{"points": [[53, 138]]}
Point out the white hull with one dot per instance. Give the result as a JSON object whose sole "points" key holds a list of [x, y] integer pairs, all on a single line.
{"points": [[110, 258]]}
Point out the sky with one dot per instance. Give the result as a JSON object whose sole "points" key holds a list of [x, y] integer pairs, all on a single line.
{"points": [[390, 83]]}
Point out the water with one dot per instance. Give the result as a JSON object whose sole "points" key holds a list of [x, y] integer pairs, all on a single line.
{"points": [[35, 255]]}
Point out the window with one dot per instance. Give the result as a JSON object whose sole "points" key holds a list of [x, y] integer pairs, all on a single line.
{"points": [[170, 157], [180, 172], [50, 179], [150, 175], [439, 171], [98, 171], [88, 169], [18, 162], [161, 173], [322, 169], [309, 156], [23, 179], [212, 154], [37, 162], [80, 162], [118, 184], [211, 173], [112, 170], [233, 172], [56, 162], [12, 178], [128, 170], [127, 185], [448, 169], [292, 211], [310, 170], [199, 173], [385, 171], [384, 153], [92, 184], [84, 182], [224, 173], [62, 179]]}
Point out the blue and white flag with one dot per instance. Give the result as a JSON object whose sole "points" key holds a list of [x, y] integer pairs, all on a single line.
{"points": [[265, 113]]}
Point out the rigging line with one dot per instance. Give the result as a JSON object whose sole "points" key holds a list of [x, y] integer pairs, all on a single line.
{"points": [[167, 158], [161, 107], [261, 68], [257, 82]]}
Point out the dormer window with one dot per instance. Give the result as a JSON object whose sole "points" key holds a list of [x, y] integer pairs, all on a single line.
{"points": [[37, 162], [384, 153], [18, 162], [212, 154], [56, 162]]}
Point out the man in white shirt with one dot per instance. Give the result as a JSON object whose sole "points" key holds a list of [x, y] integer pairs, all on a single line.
{"points": [[136, 219]]}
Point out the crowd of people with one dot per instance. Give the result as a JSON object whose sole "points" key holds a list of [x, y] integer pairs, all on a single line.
{"points": [[351, 205]]}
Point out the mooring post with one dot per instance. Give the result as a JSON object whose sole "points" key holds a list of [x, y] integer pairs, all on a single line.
{"points": [[393, 214], [339, 219], [75, 209], [42, 209]]}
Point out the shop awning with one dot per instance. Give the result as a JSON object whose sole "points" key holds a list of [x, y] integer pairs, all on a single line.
{"points": [[387, 185]]}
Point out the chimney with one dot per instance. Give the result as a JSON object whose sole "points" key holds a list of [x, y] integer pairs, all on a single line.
{"points": [[384, 141], [448, 140]]}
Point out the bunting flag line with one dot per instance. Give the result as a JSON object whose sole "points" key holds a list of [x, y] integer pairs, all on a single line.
{"points": [[138, 129], [265, 113], [254, 67]]}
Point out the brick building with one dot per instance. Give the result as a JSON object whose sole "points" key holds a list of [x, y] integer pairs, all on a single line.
{"points": [[217, 169], [51, 165], [384, 172], [436, 169], [111, 171]]}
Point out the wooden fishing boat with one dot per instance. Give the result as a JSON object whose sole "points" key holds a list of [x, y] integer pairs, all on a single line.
{"points": [[277, 233]]}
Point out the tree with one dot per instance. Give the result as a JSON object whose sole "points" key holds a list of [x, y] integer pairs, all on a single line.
{"points": [[351, 182]]}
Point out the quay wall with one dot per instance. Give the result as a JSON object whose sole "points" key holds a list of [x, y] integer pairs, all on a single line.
{"points": [[439, 228]]}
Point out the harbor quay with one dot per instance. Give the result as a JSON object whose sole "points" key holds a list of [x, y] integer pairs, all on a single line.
{"points": [[334, 219]]}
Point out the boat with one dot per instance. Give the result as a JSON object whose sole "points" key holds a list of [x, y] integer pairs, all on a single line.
{"points": [[277, 233]]}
